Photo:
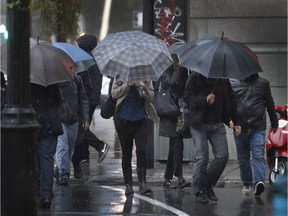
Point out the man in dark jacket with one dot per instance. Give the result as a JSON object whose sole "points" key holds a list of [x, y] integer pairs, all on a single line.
{"points": [[92, 80], [253, 96], [74, 113], [45, 102], [210, 103]]}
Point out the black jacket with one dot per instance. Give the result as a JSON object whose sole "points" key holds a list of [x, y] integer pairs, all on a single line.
{"points": [[223, 110], [253, 97], [92, 78], [74, 105], [175, 80], [45, 102]]}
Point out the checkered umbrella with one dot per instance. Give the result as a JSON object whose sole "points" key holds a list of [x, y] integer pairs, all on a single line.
{"points": [[132, 56]]}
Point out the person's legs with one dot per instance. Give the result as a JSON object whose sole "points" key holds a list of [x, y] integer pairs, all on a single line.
{"points": [[46, 150], [169, 170], [92, 140], [77, 154], [243, 156], [199, 173], [168, 175], [62, 158], [218, 141], [178, 148], [125, 135], [257, 144], [141, 136]]}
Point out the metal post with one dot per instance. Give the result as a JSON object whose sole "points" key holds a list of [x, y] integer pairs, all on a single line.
{"points": [[18, 123], [148, 28], [148, 16]]}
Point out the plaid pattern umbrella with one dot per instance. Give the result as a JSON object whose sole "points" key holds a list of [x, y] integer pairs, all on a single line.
{"points": [[132, 56]]}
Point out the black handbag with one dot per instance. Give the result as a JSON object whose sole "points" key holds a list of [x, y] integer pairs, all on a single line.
{"points": [[108, 107], [164, 104]]}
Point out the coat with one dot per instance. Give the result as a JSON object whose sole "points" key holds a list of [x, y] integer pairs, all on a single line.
{"points": [[253, 98], [92, 78], [120, 90], [45, 102], [74, 106], [175, 80], [198, 88]]}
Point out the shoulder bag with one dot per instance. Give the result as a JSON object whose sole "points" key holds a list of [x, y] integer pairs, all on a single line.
{"points": [[164, 104], [108, 107]]}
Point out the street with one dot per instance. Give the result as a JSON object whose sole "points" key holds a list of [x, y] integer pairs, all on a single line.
{"points": [[101, 190]]}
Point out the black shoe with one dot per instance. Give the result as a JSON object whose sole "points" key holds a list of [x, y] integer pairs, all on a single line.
{"points": [[77, 171], [183, 184], [211, 195], [129, 189], [144, 188], [45, 203], [56, 173], [202, 197], [103, 152], [85, 160], [63, 182], [168, 185], [259, 188]]}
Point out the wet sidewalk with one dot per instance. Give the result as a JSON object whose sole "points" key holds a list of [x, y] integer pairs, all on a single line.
{"points": [[101, 190], [110, 172]]}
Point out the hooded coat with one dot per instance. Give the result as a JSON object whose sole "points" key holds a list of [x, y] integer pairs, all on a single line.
{"points": [[93, 78]]}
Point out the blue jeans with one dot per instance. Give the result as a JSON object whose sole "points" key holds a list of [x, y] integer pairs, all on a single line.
{"points": [[47, 148], [204, 176], [65, 147], [253, 142]]}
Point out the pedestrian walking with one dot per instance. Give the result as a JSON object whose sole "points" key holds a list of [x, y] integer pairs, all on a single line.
{"points": [[210, 103], [133, 108], [92, 79], [174, 78], [74, 113], [45, 102], [253, 98]]}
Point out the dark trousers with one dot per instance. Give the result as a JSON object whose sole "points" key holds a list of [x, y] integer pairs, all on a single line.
{"points": [[78, 148], [175, 158], [91, 139], [128, 132]]}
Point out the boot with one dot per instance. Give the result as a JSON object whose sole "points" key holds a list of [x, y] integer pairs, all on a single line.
{"points": [[143, 188], [128, 181], [129, 189]]}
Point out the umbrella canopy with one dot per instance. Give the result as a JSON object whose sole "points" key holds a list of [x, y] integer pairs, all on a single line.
{"points": [[75, 52], [218, 58], [83, 66], [132, 56], [48, 64]]}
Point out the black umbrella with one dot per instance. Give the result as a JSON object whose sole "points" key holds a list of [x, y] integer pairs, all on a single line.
{"points": [[216, 57], [48, 64]]}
